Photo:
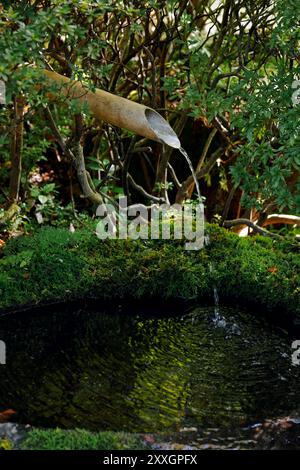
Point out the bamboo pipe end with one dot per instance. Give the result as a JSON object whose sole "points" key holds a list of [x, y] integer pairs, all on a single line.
{"points": [[161, 128]]}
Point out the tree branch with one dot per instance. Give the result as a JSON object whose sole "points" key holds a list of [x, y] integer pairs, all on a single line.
{"points": [[76, 155], [255, 228]]}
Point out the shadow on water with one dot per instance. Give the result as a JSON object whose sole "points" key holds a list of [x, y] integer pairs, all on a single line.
{"points": [[146, 373]]}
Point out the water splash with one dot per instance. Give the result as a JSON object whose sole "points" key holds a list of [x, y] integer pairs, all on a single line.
{"points": [[217, 319], [216, 301], [183, 152]]}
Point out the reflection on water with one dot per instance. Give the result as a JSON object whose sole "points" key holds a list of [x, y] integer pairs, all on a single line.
{"points": [[127, 371]]}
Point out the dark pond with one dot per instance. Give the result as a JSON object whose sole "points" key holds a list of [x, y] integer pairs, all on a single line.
{"points": [[114, 369]]}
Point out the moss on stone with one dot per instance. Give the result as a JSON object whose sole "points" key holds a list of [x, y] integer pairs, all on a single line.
{"points": [[80, 439], [57, 265], [6, 444]]}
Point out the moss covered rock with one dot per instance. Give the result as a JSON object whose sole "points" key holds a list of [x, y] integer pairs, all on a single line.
{"points": [[57, 265], [80, 439]]}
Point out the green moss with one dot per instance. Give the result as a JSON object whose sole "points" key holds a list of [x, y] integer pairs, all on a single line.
{"points": [[79, 439], [5, 444], [55, 264], [259, 270]]}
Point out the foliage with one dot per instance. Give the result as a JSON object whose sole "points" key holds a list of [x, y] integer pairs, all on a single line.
{"points": [[231, 65], [250, 80]]}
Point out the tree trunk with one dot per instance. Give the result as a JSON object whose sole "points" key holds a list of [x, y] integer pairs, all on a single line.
{"points": [[16, 150]]}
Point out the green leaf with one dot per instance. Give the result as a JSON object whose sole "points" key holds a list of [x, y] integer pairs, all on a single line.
{"points": [[43, 199]]}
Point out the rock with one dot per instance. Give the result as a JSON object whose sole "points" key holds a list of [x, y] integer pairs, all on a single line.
{"points": [[11, 435], [188, 429], [279, 434]]}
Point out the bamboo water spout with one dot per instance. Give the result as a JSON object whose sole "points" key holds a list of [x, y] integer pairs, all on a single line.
{"points": [[118, 111]]}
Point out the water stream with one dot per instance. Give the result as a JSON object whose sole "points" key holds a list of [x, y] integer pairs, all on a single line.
{"points": [[167, 135], [184, 153], [218, 319], [155, 371]]}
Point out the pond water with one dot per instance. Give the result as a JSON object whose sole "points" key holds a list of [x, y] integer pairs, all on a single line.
{"points": [[183, 374]]}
